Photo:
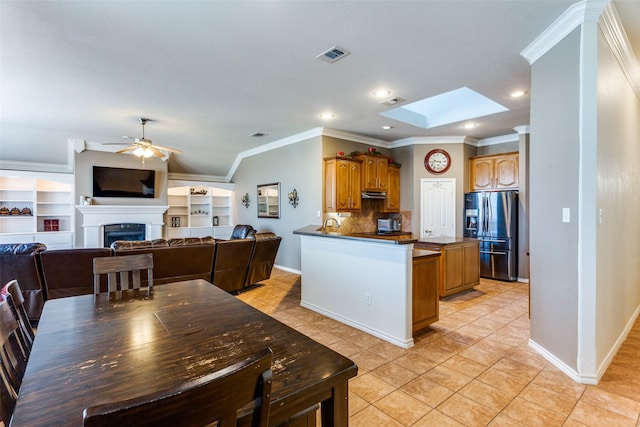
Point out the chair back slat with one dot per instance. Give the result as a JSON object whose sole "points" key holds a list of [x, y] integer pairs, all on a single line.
{"points": [[13, 360], [13, 294], [199, 402], [123, 272]]}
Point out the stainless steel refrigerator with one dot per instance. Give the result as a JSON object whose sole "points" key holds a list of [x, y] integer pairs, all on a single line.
{"points": [[492, 218]]}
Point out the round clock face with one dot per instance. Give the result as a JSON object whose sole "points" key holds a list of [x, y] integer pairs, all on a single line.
{"points": [[437, 161]]}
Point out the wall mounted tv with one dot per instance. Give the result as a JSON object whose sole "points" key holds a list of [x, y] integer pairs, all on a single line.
{"points": [[120, 182]]}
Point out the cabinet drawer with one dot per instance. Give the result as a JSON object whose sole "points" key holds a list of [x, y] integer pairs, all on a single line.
{"points": [[16, 238]]}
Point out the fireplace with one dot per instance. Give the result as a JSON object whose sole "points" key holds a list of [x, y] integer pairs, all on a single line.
{"points": [[125, 231], [95, 218]]}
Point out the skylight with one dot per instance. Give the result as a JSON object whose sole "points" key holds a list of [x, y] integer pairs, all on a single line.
{"points": [[455, 106]]}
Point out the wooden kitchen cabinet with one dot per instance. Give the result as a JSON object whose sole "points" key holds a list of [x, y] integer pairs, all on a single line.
{"points": [[392, 202], [459, 262], [494, 172], [342, 184], [425, 303], [374, 172]]}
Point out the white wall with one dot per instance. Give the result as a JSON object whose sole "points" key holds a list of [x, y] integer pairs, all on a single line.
{"points": [[618, 195]]}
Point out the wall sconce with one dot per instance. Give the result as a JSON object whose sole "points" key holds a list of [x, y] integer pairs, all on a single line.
{"points": [[293, 198], [245, 200]]}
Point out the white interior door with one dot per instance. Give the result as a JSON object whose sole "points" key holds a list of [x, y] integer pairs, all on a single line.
{"points": [[438, 201]]}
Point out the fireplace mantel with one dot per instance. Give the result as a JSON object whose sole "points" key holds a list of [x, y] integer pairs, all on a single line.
{"points": [[95, 217]]}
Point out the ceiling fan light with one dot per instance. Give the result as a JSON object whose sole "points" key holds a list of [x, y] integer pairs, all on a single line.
{"points": [[147, 153], [139, 152]]}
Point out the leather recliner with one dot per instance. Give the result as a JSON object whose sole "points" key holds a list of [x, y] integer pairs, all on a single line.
{"points": [[242, 231], [230, 263], [20, 261], [263, 257]]}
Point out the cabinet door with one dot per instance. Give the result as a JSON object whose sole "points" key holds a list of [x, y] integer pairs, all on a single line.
{"points": [[392, 202], [425, 302], [355, 190], [506, 172], [481, 171], [344, 171], [471, 256], [374, 173], [454, 267]]}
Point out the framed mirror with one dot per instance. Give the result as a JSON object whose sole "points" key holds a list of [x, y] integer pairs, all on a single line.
{"points": [[269, 200]]}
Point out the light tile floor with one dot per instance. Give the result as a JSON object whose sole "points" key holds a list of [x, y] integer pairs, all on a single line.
{"points": [[471, 368]]}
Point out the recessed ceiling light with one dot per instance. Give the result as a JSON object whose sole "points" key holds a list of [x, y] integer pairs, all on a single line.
{"points": [[327, 116], [518, 93], [380, 93], [469, 125], [387, 127]]}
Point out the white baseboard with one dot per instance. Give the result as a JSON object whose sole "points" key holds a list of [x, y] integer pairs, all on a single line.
{"points": [[588, 378], [523, 280], [290, 270]]}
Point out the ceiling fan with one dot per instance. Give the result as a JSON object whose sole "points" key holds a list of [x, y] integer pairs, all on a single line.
{"points": [[143, 147]]}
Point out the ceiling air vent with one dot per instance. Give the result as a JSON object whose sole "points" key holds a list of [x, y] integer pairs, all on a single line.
{"points": [[333, 54], [392, 101], [258, 134]]}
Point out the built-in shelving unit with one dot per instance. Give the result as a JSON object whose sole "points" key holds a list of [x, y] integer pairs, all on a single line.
{"points": [[199, 211], [37, 209]]}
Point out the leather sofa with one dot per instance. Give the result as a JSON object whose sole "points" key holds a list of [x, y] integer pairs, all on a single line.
{"points": [[20, 261], [230, 264], [174, 259], [69, 272]]}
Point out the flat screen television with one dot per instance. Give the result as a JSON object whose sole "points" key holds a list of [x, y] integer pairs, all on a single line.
{"points": [[121, 182]]}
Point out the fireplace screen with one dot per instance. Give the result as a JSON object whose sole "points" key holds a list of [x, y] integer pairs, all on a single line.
{"points": [[113, 232]]}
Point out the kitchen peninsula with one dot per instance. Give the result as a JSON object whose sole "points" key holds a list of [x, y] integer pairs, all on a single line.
{"points": [[367, 281]]}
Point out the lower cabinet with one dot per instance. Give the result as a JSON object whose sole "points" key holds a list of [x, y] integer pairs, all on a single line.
{"points": [[425, 303], [459, 264]]}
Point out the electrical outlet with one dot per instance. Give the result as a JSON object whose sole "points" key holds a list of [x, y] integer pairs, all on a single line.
{"points": [[566, 215], [367, 298]]}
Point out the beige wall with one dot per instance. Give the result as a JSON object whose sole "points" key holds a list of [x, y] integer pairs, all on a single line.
{"points": [[84, 163]]}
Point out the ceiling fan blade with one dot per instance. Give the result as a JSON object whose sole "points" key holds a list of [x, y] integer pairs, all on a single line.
{"points": [[124, 150], [156, 152], [173, 150]]}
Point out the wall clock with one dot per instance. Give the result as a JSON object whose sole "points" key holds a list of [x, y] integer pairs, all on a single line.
{"points": [[437, 161]]}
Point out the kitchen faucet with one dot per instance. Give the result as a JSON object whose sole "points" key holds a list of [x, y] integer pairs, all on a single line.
{"points": [[326, 221]]}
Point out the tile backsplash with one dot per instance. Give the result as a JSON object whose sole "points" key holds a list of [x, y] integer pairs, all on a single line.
{"points": [[367, 219]]}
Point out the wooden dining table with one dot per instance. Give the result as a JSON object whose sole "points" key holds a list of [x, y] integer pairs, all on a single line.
{"points": [[91, 350]]}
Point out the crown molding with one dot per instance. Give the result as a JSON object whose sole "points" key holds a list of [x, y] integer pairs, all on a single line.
{"points": [[524, 129], [299, 137], [432, 140], [616, 37], [576, 15], [502, 139], [67, 167], [195, 179]]}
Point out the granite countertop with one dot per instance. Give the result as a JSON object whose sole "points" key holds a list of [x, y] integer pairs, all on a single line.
{"points": [[401, 238], [445, 240]]}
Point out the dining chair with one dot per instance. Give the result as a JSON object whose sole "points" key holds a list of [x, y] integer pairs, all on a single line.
{"points": [[13, 294], [215, 397], [119, 271], [13, 360]]}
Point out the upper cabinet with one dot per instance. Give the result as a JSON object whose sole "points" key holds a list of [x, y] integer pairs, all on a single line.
{"points": [[342, 184], [374, 172], [494, 172], [392, 202]]}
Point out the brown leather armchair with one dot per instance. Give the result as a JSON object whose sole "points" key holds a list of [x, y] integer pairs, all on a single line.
{"points": [[230, 263], [263, 257], [242, 231], [20, 261], [69, 272]]}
